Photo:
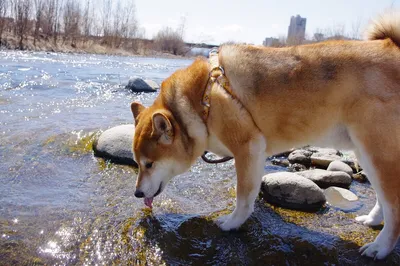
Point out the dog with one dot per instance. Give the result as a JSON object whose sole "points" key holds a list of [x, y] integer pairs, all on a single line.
{"points": [[252, 102]]}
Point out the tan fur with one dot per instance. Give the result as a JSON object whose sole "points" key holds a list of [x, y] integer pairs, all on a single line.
{"points": [[344, 94]]}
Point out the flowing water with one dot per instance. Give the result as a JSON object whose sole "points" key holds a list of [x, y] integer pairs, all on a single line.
{"points": [[61, 205]]}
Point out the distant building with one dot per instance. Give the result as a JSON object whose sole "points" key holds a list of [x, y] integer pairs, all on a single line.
{"points": [[297, 30], [270, 41]]}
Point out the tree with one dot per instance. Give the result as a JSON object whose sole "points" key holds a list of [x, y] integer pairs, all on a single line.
{"points": [[22, 12], [182, 26], [169, 40], [72, 20], [3, 20], [39, 7], [87, 20], [106, 12]]}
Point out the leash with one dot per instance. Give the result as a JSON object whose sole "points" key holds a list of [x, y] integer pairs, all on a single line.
{"points": [[222, 160], [228, 158]]}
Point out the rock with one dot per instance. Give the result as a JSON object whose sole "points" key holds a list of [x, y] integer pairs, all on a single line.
{"points": [[292, 191], [280, 162], [139, 85], [296, 167], [325, 179], [323, 157], [360, 177], [341, 198], [301, 157], [341, 167], [152, 84], [115, 144]]}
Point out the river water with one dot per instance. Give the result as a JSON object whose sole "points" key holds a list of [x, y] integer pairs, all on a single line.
{"points": [[61, 205]]}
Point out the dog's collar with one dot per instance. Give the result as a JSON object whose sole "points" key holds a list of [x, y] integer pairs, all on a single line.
{"points": [[216, 76]]}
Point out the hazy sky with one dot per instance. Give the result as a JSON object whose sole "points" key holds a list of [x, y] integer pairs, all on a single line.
{"points": [[251, 21]]}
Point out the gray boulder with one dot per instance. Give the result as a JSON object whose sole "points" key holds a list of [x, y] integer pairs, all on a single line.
{"points": [[341, 167], [341, 198], [140, 85], [152, 84], [322, 157], [115, 144], [300, 157], [292, 191], [325, 179]]}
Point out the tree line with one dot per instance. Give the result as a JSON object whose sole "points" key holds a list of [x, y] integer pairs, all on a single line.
{"points": [[112, 23]]}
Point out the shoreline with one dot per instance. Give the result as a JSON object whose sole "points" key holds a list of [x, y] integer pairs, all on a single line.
{"points": [[92, 46]]}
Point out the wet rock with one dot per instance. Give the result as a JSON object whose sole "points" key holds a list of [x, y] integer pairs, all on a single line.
{"points": [[341, 167], [115, 144], [325, 179], [152, 84], [360, 177], [349, 156], [280, 162], [322, 157], [341, 198], [301, 157], [140, 85], [292, 191], [296, 167]]}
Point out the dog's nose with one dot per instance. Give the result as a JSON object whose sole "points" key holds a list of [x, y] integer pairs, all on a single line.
{"points": [[139, 194]]}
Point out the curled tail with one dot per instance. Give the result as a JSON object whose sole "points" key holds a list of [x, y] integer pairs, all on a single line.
{"points": [[387, 26]]}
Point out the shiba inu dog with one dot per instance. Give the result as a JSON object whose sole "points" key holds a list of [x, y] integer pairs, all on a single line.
{"points": [[342, 94]]}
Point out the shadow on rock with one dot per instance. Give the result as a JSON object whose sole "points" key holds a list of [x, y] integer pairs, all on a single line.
{"points": [[265, 238]]}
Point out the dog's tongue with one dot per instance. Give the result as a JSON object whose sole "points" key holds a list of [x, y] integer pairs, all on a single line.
{"points": [[149, 202]]}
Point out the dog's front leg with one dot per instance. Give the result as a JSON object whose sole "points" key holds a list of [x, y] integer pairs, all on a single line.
{"points": [[249, 163]]}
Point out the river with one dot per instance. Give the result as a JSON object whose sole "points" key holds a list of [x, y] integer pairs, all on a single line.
{"points": [[60, 205]]}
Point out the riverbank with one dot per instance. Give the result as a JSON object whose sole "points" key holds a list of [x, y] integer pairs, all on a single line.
{"points": [[93, 45]]}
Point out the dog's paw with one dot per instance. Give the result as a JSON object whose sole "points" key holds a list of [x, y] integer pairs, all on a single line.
{"points": [[229, 222], [229, 225], [368, 220], [221, 220], [375, 250]]}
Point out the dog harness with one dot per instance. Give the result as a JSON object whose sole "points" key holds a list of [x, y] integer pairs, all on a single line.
{"points": [[216, 76]]}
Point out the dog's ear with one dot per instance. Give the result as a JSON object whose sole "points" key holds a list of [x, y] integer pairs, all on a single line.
{"points": [[162, 128], [136, 108]]}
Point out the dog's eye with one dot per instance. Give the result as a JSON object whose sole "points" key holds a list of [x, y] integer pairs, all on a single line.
{"points": [[148, 165]]}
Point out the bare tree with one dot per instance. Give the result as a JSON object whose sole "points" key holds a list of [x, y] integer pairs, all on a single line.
{"points": [[39, 8], [355, 29], [3, 19], [50, 18], [72, 20], [106, 12], [87, 20], [169, 40], [318, 36], [22, 12], [57, 24], [182, 26]]}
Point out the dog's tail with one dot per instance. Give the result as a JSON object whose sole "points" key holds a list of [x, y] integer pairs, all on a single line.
{"points": [[387, 26]]}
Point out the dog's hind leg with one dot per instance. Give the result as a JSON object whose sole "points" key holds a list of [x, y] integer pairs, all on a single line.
{"points": [[249, 167], [379, 148], [375, 216]]}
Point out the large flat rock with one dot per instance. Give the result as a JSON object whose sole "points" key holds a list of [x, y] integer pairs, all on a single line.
{"points": [[115, 144]]}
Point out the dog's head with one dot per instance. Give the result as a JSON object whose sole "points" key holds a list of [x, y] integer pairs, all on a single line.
{"points": [[159, 150], [162, 147]]}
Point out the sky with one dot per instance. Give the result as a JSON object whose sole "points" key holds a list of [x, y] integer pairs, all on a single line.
{"points": [[251, 21]]}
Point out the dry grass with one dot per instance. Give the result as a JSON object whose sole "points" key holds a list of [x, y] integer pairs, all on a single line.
{"points": [[92, 46]]}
